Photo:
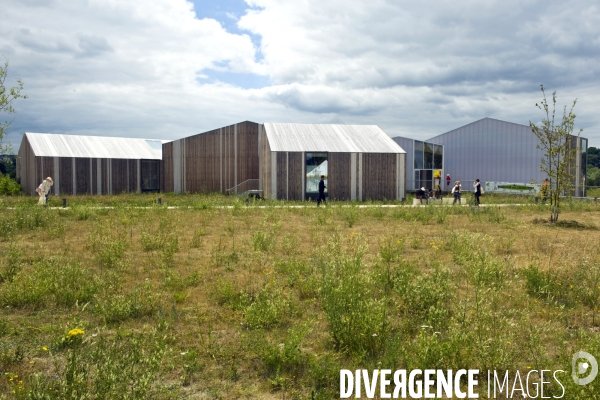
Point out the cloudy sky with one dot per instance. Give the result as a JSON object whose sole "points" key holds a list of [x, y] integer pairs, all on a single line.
{"points": [[171, 68]]}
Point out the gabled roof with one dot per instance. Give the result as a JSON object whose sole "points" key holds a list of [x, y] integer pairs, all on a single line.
{"points": [[56, 145], [330, 138], [490, 123]]}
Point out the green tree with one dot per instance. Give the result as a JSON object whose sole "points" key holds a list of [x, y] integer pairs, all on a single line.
{"points": [[593, 157], [593, 176], [7, 97], [556, 140]]}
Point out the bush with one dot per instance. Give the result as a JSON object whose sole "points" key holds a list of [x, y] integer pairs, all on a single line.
{"points": [[267, 309], [56, 280], [8, 186], [116, 307], [357, 318]]}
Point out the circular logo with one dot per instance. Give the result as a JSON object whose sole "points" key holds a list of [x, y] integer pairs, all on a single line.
{"points": [[590, 366]]}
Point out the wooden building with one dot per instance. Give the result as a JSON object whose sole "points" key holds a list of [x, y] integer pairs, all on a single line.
{"points": [[214, 161], [286, 161], [89, 164], [359, 162]]}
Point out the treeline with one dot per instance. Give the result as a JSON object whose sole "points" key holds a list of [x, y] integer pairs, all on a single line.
{"points": [[593, 167]]}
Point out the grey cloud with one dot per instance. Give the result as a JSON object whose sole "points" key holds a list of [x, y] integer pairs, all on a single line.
{"points": [[93, 45]]}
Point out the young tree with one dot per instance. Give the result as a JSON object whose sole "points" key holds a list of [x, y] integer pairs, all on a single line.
{"points": [[557, 141], [7, 97]]}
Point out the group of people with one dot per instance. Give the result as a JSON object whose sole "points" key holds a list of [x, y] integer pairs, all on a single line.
{"points": [[477, 191], [456, 191]]}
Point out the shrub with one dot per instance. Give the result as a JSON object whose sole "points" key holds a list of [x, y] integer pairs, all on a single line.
{"points": [[357, 319], [60, 281], [116, 307], [9, 186], [425, 297], [267, 309]]}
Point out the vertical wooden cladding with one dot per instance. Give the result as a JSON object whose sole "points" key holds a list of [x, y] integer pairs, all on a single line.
{"points": [[213, 161], [265, 164], [282, 171], [66, 175], [104, 173], [296, 176], [338, 176], [82, 176], [76, 175], [124, 176], [133, 176], [94, 176], [379, 176], [289, 175], [167, 168], [27, 167], [47, 168]]}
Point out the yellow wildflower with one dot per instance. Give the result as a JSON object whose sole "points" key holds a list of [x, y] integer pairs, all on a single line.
{"points": [[75, 332]]}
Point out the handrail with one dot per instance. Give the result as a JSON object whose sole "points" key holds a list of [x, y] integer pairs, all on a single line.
{"points": [[247, 185]]}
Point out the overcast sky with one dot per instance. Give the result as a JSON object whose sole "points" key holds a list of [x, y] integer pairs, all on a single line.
{"points": [[172, 68]]}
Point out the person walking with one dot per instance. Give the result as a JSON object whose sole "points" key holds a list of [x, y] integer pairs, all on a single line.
{"points": [[456, 192], [477, 191], [44, 190], [447, 181], [321, 190]]}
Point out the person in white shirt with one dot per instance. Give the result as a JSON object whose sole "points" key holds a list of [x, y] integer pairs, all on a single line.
{"points": [[44, 189], [456, 191]]}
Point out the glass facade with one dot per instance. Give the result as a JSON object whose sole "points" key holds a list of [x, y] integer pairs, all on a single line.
{"points": [[428, 165], [418, 155], [316, 165], [150, 175]]}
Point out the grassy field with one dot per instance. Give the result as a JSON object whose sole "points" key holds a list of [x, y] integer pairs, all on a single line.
{"points": [[210, 302]]}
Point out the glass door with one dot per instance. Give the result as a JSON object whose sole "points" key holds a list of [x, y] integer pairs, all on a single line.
{"points": [[316, 166]]}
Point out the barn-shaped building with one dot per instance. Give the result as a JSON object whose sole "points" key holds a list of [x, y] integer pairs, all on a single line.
{"points": [[89, 164], [286, 161], [498, 151], [359, 162]]}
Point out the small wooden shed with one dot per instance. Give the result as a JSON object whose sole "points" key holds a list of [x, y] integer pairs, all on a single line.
{"points": [[89, 164], [359, 162]]}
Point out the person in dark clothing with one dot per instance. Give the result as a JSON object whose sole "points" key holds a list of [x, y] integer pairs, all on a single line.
{"points": [[477, 190], [321, 190], [421, 193]]}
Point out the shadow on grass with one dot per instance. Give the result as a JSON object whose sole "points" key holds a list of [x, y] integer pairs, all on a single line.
{"points": [[570, 224]]}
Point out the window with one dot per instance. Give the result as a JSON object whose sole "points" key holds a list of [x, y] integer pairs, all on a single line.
{"points": [[428, 155], [437, 156], [150, 175], [418, 155], [316, 165], [155, 144]]}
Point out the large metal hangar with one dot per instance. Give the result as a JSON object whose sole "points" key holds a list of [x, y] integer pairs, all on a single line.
{"points": [[498, 151], [89, 164], [286, 161]]}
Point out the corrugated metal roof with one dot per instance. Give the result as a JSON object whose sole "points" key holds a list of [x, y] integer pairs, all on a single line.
{"points": [[56, 145], [330, 138]]}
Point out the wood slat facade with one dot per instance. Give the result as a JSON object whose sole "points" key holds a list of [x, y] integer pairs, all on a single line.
{"points": [[213, 161], [350, 176], [76, 176]]}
